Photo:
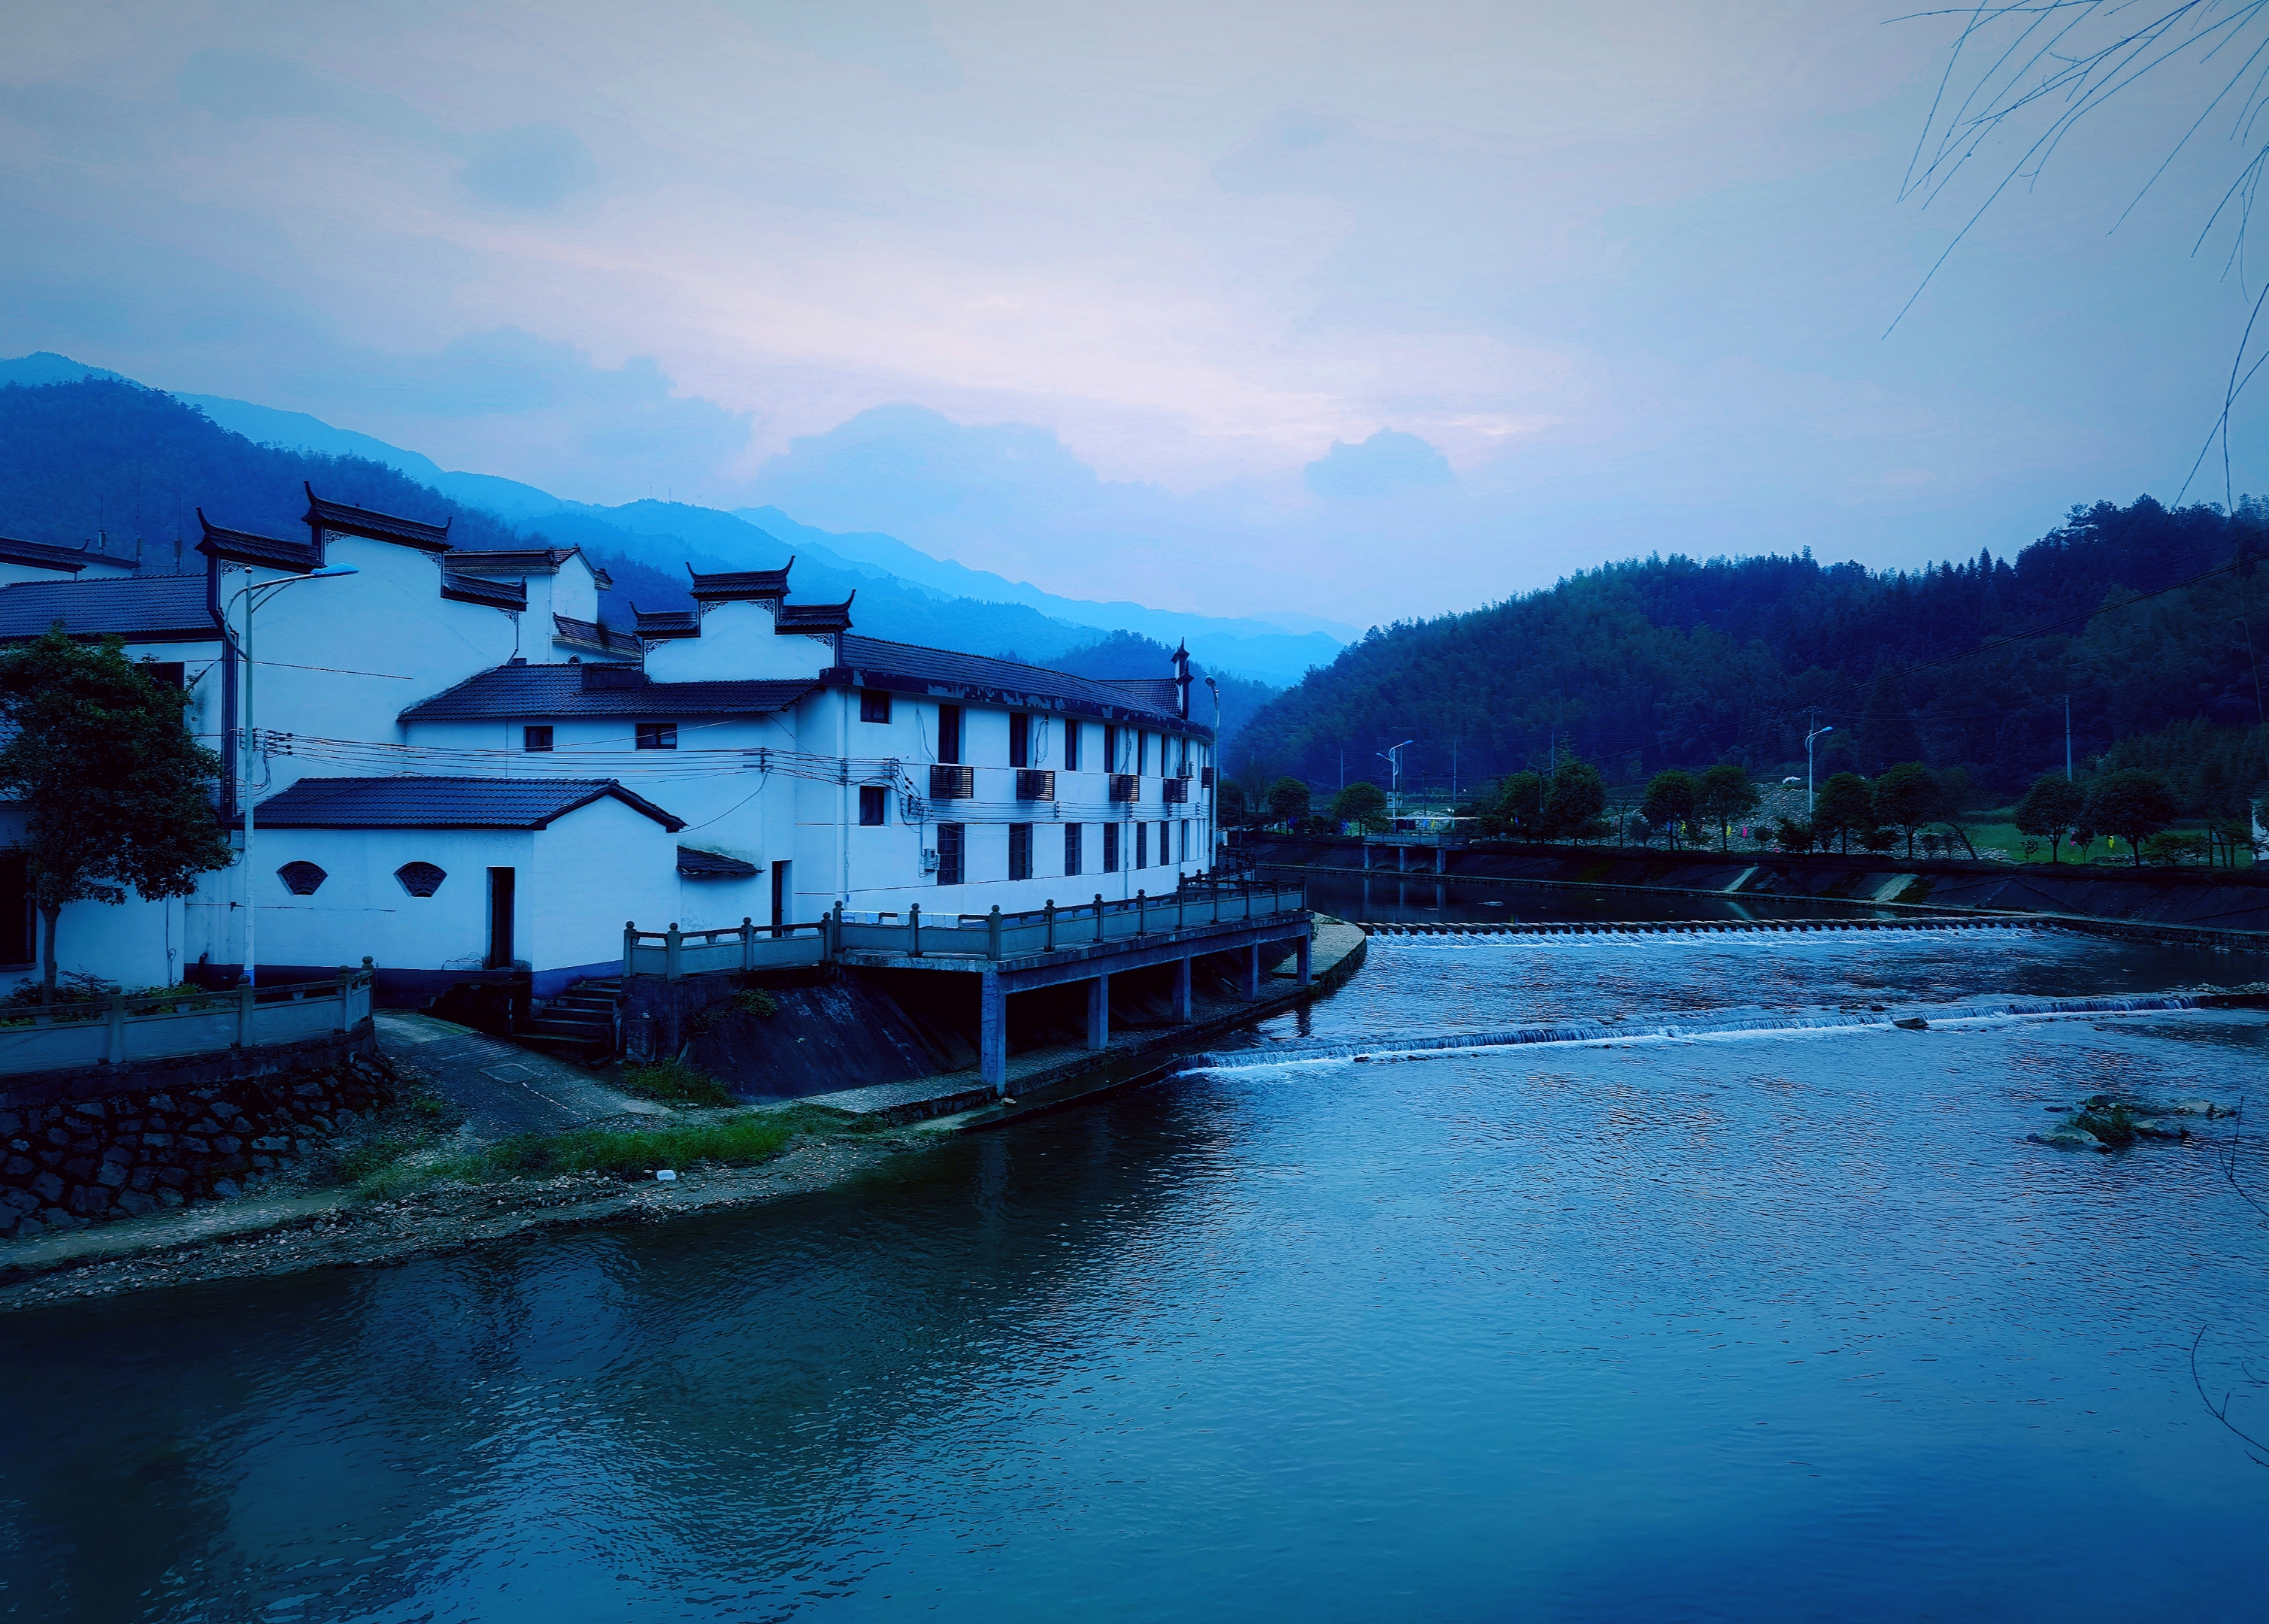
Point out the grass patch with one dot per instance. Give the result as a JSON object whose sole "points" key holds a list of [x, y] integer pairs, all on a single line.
{"points": [[674, 1082], [743, 1139]]}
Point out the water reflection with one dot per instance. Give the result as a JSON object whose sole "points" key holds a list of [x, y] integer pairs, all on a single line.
{"points": [[1771, 1327], [1387, 898]]}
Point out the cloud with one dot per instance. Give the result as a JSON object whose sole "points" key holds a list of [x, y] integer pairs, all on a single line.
{"points": [[1386, 464]]}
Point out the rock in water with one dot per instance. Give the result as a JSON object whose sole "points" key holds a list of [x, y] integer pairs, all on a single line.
{"points": [[2067, 1138], [1912, 1023]]}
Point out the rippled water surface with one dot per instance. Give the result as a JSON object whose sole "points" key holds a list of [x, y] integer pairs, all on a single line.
{"points": [[1771, 1326]]}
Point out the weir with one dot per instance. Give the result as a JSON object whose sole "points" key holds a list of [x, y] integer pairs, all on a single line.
{"points": [[1598, 1031]]}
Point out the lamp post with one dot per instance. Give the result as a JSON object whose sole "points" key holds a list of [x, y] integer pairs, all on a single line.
{"points": [[1392, 756], [253, 602], [1213, 801], [1808, 738]]}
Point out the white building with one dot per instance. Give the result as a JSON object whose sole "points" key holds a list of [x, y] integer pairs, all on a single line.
{"points": [[465, 714]]}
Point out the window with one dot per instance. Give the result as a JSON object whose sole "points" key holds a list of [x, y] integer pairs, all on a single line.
{"points": [[1071, 732], [1111, 848], [1185, 769], [1141, 752], [1020, 740], [1071, 849], [1185, 840], [420, 879], [948, 733], [1110, 749], [1165, 851], [874, 706], [1141, 846], [536, 738], [873, 805], [1020, 851], [165, 673], [657, 735], [302, 879], [948, 853]]}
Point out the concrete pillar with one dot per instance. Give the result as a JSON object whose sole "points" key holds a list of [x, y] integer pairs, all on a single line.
{"points": [[1098, 1013], [1441, 859], [1402, 858], [1305, 952], [1182, 990], [992, 1031], [1251, 972]]}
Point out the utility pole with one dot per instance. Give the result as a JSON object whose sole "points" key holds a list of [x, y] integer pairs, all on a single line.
{"points": [[2068, 738], [1453, 775], [1808, 738]]}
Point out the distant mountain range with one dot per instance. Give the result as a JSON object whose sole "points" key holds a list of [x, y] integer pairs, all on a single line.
{"points": [[904, 593]]}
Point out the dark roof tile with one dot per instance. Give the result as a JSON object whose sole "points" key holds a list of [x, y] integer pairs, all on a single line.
{"points": [[594, 634], [503, 595], [45, 556], [732, 585], [810, 618], [535, 691], [713, 865], [269, 552], [342, 520], [659, 624], [412, 803], [907, 668], [148, 609]]}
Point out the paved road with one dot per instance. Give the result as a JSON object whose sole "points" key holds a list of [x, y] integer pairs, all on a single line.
{"points": [[502, 1088]]}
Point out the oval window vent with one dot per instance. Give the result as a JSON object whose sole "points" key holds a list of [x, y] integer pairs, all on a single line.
{"points": [[302, 879], [420, 879]]}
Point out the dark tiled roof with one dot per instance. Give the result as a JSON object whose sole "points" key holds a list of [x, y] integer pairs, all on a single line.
{"points": [[709, 865], [592, 634], [268, 552], [740, 585], [44, 556], [657, 625], [149, 609], [519, 561], [907, 668], [503, 595], [410, 802], [803, 618], [535, 691], [1153, 693], [345, 520]]}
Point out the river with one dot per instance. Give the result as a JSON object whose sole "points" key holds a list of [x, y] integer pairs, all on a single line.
{"points": [[1768, 1324]]}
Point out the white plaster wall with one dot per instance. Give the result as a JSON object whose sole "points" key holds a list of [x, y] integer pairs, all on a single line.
{"points": [[589, 873], [362, 910], [738, 642]]}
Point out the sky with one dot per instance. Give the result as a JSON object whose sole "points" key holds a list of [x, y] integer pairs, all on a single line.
{"points": [[1363, 312]]}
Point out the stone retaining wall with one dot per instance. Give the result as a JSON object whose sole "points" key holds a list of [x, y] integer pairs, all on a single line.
{"points": [[76, 1158]]}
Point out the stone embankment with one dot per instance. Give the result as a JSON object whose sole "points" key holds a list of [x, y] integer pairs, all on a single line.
{"points": [[155, 1138]]}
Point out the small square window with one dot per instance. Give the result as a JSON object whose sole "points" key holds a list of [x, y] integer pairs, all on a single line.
{"points": [[873, 706], [874, 804], [536, 738], [657, 735]]}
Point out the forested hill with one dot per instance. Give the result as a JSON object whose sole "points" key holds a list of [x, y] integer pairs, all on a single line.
{"points": [[1665, 662]]}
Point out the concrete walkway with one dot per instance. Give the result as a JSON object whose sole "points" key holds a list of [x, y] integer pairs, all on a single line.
{"points": [[501, 1087]]}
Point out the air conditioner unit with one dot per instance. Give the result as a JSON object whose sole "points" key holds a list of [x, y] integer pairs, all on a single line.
{"points": [[951, 783], [1205, 777], [1178, 792], [1125, 786], [929, 860], [1036, 784]]}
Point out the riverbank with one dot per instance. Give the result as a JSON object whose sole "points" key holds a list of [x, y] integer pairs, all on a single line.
{"points": [[423, 1204]]}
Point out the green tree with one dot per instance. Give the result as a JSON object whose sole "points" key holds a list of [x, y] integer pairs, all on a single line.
{"points": [[1671, 796], [1231, 807], [1725, 794], [2131, 804], [1793, 834], [1572, 808], [113, 788], [1906, 798], [1845, 807], [1287, 800], [1362, 802], [2050, 809], [1520, 805]]}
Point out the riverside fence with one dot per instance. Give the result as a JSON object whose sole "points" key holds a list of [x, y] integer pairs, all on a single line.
{"points": [[121, 1028]]}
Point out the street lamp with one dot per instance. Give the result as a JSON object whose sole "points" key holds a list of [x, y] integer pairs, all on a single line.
{"points": [[251, 904], [1213, 801], [1808, 738], [1392, 756]]}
